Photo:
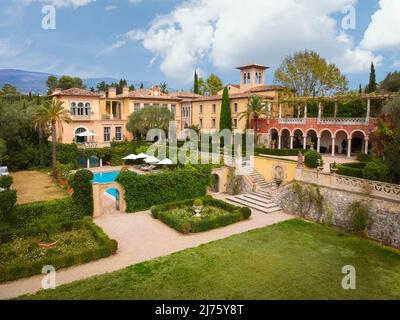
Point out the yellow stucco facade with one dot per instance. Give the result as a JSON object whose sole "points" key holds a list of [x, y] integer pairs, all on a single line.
{"points": [[271, 168]]}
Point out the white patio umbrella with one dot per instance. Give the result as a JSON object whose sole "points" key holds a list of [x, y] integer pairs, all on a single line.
{"points": [[142, 156], [130, 157], [166, 162], [151, 159]]}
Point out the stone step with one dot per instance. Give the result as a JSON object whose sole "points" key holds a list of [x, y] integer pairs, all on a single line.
{"points": [[259, 197], [255, 206], [263, 203]]}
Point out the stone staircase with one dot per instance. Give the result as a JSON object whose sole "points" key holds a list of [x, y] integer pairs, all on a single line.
{"points": [[259, 199]]}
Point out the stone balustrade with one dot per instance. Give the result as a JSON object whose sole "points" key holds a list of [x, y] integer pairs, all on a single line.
{"points": [[343, 121], [292, 120], [373, 188]]}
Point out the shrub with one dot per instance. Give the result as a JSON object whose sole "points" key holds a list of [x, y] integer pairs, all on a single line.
{"points": [[81, 182], [376, 171], [198, 202], [6, 182], [359, 215], [144, 191], [199, 224], [312, 159], [8, 199], [366, 157], [349, 171]]}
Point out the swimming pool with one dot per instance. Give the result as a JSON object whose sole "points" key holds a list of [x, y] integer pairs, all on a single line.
{"points": [[106, 177]]}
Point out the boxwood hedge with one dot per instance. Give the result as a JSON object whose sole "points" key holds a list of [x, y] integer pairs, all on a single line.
{"points": [[278, 152], [184, 225], [144, 191], [106, 248]]}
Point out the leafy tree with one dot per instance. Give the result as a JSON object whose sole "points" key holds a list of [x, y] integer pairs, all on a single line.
{"points": [[214, 84], [8, 89], [196, 83], [164, 87], [372, 80], [310, 75], [255, 109], [393, 156], [3, 150], [391, 83], [53, 113], [203, 90], [51, 83], [152, 117], [225, 121], [67, 82], [102, 86]]}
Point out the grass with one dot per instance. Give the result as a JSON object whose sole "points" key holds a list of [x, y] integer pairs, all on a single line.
{"points": [[32, 186], [291, 260]]}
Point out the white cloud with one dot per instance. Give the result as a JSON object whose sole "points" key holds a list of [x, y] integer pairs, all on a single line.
{"points": [[118, 44], [61, 3], [110, 7], [383, 31], [240, 32]]}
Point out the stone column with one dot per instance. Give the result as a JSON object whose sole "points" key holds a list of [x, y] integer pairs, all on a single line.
{"points": [[318, 143], [305, 111], [348, 148], [280, 110], [279, 141], [333, 147], [336, 107], [366, 143], [319, 111], [88, 163], [304, 142], [101, 162], [291, 142], [368, 110]]}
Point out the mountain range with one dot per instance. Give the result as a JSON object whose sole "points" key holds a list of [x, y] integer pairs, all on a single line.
{"points": [[35, 82]]}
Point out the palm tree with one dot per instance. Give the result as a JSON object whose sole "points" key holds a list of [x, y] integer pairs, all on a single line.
{"points": [[256, 107], [41, 125], [53, 113]]}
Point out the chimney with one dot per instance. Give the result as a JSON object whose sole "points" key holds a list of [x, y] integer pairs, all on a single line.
{"points": [[125, 91], [102, 94], [112, 92]]}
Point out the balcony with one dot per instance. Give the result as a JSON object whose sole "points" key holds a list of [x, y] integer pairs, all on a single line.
{"points": [[81, 117], [110, 117], [292, 120], [343, 121]]}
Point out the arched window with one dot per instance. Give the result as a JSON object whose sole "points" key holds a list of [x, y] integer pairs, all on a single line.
{"points": [[80, 109], [73, 108], [79, 139], [87, 109]]}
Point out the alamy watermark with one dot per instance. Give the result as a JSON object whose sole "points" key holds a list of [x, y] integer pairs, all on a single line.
{"points": [[49, 280], [49, 21], [349, 280]]}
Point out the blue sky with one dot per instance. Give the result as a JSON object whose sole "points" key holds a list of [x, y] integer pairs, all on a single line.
{"points": [[164, 40]]}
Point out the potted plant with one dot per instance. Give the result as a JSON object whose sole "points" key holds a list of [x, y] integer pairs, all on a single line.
{"points": [[333, 167], [198, 206]]}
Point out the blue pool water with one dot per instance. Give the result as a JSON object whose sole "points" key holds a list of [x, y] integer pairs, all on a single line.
{"points": [[106, 177]]}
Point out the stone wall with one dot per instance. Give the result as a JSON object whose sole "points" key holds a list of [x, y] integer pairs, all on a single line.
{"points": [[385, 214]]}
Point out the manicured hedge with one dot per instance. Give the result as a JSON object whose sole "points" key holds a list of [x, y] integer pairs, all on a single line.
{"points": [[81, 183], [106, 248], [312, 159], [278, 152], [377, 171], [144, 191], [350, 171], [195, 224]]}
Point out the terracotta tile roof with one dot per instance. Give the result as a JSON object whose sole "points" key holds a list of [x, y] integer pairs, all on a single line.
{"points": [[233, 85], [231, 96], [250, 65], [185, 94], [269, 88], [77, 92]]}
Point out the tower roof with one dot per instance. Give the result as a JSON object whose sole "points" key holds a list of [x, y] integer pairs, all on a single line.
{"points": [[253, 65]]}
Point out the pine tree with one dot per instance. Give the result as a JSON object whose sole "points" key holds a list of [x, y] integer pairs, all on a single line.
{"points": [[141, 86], [196, 83], [225, 121], [372, 79]]}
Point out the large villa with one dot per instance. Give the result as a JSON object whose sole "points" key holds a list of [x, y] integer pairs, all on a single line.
{"points": [[106, 115]]}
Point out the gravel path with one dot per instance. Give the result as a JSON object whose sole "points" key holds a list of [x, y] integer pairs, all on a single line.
{"points": [[140, 238]]}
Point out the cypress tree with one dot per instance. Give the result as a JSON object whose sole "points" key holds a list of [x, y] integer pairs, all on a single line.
{"points": [[225, 121], [360, 90], [372, 79], [196, 83]]}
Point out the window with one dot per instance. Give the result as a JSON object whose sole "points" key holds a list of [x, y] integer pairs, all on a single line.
{"points": [[235, 107], [87, 109], [235, 123], [118, 133], [213, 123], [136, 107], [201, 123], [201, 109], [165, 105], [214, 108], [73, 108], [107, 135], [173, 109], [146, 105]]}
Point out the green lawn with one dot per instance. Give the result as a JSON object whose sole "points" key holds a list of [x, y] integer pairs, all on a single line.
{"points": [[290, 260]]}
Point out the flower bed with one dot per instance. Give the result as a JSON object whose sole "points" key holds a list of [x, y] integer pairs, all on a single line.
{"points": [[215, 213], [77, 242]]}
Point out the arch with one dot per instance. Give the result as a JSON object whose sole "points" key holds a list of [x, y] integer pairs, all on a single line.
{"points": [[215, 182], [326, 139], [311, 129], [299, 129], [357, 138], [341, 130], [283, 129], [273, 138], [324, 130], [311, 138], [298, 139], [358, 130], [286, 139], [98, 194], [78, 130], [222, 176]]}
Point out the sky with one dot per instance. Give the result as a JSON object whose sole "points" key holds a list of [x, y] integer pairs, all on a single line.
{"points": [[166, 40]]}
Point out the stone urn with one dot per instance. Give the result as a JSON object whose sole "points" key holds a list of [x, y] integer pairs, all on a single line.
{"points": [[198, 206]]}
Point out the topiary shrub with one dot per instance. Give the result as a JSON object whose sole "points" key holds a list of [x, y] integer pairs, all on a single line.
{"points": [[376, 171], [6, 182], [312, 159], [81, 183], [8, 199]]}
